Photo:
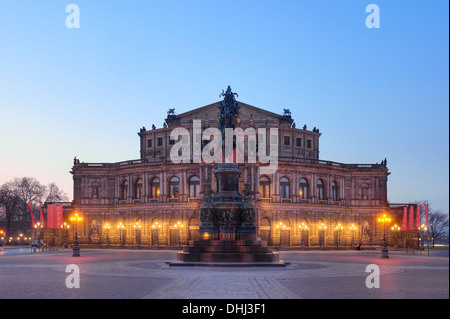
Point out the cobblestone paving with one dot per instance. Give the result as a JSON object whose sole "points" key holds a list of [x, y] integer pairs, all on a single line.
{"points": [[145, 274]]}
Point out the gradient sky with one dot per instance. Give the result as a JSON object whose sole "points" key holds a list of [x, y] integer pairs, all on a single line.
{"points": [[373, 93]]}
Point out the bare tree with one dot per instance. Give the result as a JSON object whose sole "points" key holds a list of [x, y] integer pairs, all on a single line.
{"points": [[9, 202], [437, 220], [21, 192], [438, 224], [54, 194]]}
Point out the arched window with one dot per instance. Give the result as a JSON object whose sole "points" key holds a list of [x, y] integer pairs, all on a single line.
{"points": [[138, 189], [320, 195], [334, 191], [155, 188], [194, 186], [284, 188], [174, 187], [264, 187], [303, 191], [124, 190]]}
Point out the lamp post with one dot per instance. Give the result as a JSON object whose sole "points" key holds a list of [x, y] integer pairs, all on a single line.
{"points": [[395, 229], [65, 228], [353, 229], [120, 228], [339, 227], [179, 226], [303, 227], [423, 229], [322, 228], [76, 249], [280, 226], [107, 228], [137, 227], [384, 220], [38, 228], [156, 226]]}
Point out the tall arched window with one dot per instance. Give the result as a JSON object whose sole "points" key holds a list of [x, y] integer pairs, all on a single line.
{"points": [[174, 187], [138, 189], [194, 186], [155, 188], [334, 191], [124, 190], [320, 195], [264, 187], [303, 191], [284, 188]]}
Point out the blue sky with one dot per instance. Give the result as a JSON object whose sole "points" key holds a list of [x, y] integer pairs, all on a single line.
{"points": [[373, 93]]}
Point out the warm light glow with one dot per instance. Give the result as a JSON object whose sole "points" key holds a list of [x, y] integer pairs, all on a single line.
{"points": [[76, 218]]}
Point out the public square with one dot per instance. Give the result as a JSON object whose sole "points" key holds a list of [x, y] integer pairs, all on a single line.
{"points": [[145, 274]]}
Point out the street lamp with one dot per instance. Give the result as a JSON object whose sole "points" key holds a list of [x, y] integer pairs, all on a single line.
{"points": [[322, 228], [179, 226], [38, 228], [65, 228], [76, 249], [303, 227], [107, 228], [120, 227], [384, 220], [2, 237], [339, 227], [280, 226], [156, 226], [353, 229], [423, 228], [137, 227], [395, 230]]}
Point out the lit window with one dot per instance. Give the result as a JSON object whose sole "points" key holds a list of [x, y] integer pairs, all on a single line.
{"points": [[334, 191], [194, 186], [264, 187], [284, 188], [155, 189], [320, 189], [138, 189], [174, 186], [303, 189]]}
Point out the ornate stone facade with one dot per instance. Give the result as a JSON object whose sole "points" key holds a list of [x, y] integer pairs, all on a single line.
{"points": [[153, 201]]}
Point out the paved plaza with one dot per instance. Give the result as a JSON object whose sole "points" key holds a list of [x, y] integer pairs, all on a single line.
{"points": [[145, 274]]}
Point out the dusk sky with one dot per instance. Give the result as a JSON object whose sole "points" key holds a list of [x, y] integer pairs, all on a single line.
{"points": [[373, 93]]}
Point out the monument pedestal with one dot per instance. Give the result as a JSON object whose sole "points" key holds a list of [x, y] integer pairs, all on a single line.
{"points": [[228, 253]]}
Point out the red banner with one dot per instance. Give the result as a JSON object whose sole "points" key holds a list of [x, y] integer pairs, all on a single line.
{"points": [[54, 216], [42, 220], [426, 215], [33, 222], [411, 218], [418, 217], [405, 219]]}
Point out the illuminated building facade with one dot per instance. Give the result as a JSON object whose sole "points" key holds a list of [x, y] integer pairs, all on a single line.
{"points": [[306, 202]]}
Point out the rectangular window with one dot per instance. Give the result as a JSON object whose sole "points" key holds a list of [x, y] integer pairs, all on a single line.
{"points": [[309, 144], [299, 142], [149, 143], [287, 140], [160, 140]]}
